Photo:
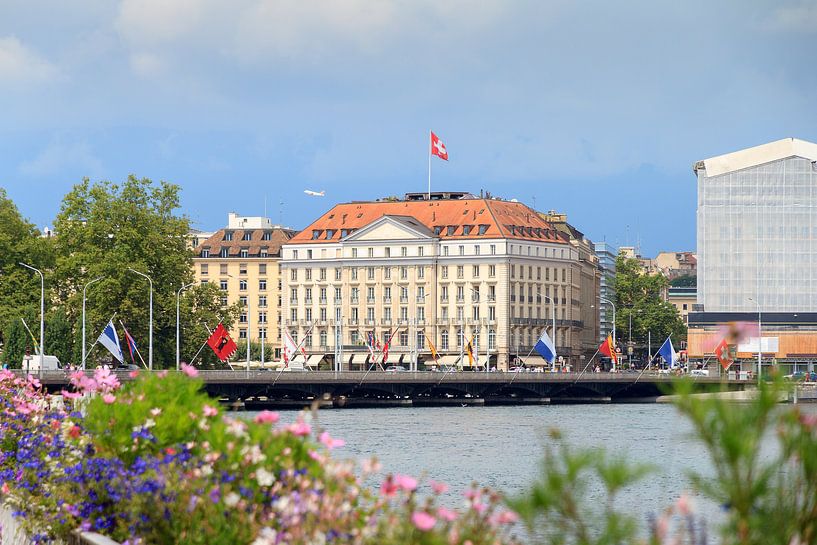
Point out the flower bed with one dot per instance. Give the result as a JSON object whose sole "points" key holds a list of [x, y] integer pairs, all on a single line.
{"points": [[157, 461]]}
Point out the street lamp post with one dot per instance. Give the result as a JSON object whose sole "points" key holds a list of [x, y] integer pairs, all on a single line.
{"points": [[42, 314], [150, 326], [759, 340], [614, 316], [97, 279], [178, 297], [553, 326]]}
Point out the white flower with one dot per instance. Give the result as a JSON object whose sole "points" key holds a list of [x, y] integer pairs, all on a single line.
{"points": [[266, 537], [149, 423], [232, 499], [264, 477]]}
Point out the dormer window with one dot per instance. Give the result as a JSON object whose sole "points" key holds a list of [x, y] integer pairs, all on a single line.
{"points": [[228, 235], [438, 229], [316, 234], [466, 229], [247, 235], [266, 236], [225, 252], [205, 252], [451, 230], [330, 233], [263, 252], [482, 229], [513, 229], [344, 233]]}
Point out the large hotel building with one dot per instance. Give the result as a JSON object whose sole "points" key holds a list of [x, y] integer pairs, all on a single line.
{"points": [[448, 269]]}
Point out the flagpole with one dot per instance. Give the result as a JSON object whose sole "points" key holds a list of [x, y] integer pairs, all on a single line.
{"points": [[429, 165]]}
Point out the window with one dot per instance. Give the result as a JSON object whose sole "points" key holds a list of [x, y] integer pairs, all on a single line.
{"points": [[266, 236], [242, 318], [242, 333], [404, 313], [403, 251], [242, 301], [262, 285], [444, 271], [337, 295], [445, 250], [421, 313], [403, 295], [538, 273], [404, 338], [491, 271], [444, 340], [444, 293], [459, 338], [293, 274], [492, 313], [387, 314], [476, 271], [225, 252], [308, 295], [466, 230], [460, 293], [262, 301], [370, 295], [222, 285], [387, 294], [294, 254], [228, 235], [242, 268], [370, 252], [403, 273], [421, 338], [461, 249], [205, 252], [293, 295], [323, 338], [370, 314], [387, 273], [460, 271], [262, 317], [337, 274], [355, 295], [482, 229], [388, 251], [247, 235], [475, 313], [330, 233], [308, 274], [492, 293], [309, 314], [244, 252], [493, 249], [222, 269], [316, 234], [224, 300], [421, 272], [491, 339], [322, 274], [444, 313], [450, 230], [370, 272], [420, 251], [354, 273], [513, 271], [242, 285], [323, 296], [476, 249], [323, 314], [354, 252]]}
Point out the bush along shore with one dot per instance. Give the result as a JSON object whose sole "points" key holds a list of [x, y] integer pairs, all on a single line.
{"points": [[158, 462]]}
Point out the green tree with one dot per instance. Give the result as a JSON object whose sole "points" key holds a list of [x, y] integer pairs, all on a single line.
{"points": [[20, 241], [17, 338], [640, 297], [105, 229], [60, 336]]}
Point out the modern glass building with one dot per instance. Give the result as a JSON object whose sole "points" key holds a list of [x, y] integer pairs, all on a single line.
{"points": [[607, 266], [757, 229]]}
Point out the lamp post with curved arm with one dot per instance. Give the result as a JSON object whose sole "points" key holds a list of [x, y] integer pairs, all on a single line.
{"points": [[150, 327], [178, 297], [84, 288], [42, 313]]}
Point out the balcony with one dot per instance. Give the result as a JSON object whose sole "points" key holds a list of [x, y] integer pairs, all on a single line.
{"points": [[404, 299], [421, 298], [352, 321], [355, 300], [370, 321], [385, 321], [444, 300], [387, 300], [293, 301], [322, 300], [308, 301], [338, 300], [370, 300]]}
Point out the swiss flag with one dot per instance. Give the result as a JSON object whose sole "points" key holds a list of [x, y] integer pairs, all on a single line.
{"points": [[221, 343], [438, 148], [722, 353]]}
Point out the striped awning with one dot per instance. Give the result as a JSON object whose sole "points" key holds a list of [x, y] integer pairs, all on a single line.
{"points": [[447, 360], [314, 360], [359, 358], [393, 358]]}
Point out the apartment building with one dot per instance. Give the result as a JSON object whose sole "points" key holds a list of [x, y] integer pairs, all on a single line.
{"points": [[451, 268], [243, 259]]}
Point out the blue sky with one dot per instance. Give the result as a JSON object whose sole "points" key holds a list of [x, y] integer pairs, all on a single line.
{"points": [[595, 108]]}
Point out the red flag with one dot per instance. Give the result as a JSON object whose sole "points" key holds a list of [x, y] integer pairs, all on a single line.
{"points": [[221, 343], [438, 148], [722, 353], [608, 349]]}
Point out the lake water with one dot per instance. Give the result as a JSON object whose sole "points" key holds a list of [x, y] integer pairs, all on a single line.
{"points": [[502, 446]]}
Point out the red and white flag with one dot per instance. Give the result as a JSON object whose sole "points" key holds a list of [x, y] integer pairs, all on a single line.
{"points": [[438, 148]]}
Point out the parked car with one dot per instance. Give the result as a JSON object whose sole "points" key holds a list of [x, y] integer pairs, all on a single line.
{"points": [[699, 373], [395, 369]]}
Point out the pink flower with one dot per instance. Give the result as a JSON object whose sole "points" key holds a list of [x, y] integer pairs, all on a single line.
{"points": [[5, 489], [329, 442], [315, 456], [684, 505], [35, 383], [370, 465], [507, 517], [446, 514], [472, 494], [209, 411], [389, 487], [300, 428], [266, 417], [407, 483], [189, 370], [105, 379], [70, 395], [423, 521], [479, 507], [133, 374], [438, 487], [162, 374], [108, 398]]}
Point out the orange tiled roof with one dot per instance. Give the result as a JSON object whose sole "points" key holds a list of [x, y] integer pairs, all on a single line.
{"points": [[216, 242], [448, 219]]}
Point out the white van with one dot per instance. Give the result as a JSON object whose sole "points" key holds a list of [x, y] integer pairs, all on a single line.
{"points": [[50, 363]]}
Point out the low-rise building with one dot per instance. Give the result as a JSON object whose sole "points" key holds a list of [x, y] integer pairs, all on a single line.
{"points": [[676, 264], [450, 269], [243, 260]]}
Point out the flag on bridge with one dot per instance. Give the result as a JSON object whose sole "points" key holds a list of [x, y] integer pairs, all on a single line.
{"points": [[545, 347], [469, 349], [608, 348], [722, 353], [110, 340], [668, 353], [431, 347], [131, 342], [221, 343]]}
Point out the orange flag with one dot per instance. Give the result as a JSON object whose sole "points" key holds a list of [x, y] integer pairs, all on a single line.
{"points": [[608, 349]]}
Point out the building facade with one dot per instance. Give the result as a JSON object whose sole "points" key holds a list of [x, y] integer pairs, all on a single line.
{"points": [[451, 269], [243, 260], [606, 256], [676, 264], [757, 251]]}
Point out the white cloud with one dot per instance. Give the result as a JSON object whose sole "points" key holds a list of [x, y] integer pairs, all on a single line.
{"points": [[800, 18], [63, 159], [19, 65]]}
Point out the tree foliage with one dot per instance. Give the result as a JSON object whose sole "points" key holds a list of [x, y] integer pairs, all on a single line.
{"points": [[640, 296], [103, 231], [20, 241]]}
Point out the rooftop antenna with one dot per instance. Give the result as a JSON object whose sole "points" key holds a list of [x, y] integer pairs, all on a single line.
{"points": [[265, 205], [534, 202], [281, 213]]}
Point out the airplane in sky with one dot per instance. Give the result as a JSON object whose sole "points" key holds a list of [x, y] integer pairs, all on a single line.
{"points": [[315, 193]]}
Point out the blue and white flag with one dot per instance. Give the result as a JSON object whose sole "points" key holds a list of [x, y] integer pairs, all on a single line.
{"points": [[110, 340], [668, 353], [545, 347]]}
